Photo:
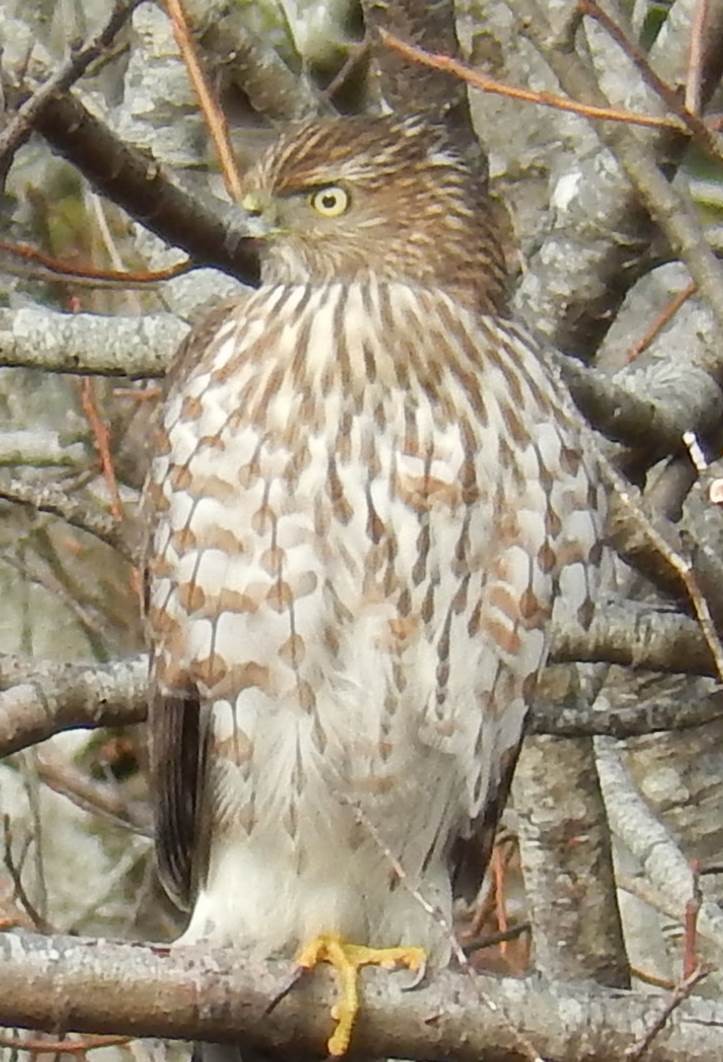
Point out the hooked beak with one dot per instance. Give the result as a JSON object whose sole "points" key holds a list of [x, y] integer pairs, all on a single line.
{"points": [[259, 220]]}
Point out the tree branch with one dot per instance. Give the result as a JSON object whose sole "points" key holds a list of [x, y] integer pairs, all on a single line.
{"points": [[601, 228], [42, 698], [30, 111], [46, 498], [140, 990], [635, 635], [136, 182], [138, 347], [650, 718], [250, 62]]}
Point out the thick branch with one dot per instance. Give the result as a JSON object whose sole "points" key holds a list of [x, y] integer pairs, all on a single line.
{"points": [[250, 62], [94, 986], [636, 636], [652, 717], [624, 411], [568, 866], [137, 183], [42, 698], [49, 499], [139, 347]]}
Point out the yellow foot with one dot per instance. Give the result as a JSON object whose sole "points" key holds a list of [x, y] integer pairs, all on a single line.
{"points": [[346, 960]]}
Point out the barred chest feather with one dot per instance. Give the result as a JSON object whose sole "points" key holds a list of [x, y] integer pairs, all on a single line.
{"points": [[362, 523]]}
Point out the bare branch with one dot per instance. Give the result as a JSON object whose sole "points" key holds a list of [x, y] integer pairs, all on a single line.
{"points": [[49, 499], [681, 992], [214, 117], [447, 64], [637, 636], [601, 228], [141, 990], [617, 722], [701, 133], [42, 698], [40, 447], [567, 858], [88, 344], [27, 115], [649, 840], [625, 412], [668, 206], [98, 798], [137, 183]]}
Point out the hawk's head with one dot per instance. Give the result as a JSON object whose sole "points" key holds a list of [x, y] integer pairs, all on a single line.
{"points": [[345, 197]]}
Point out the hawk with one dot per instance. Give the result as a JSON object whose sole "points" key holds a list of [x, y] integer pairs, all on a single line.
{"points": [[368, 491]]}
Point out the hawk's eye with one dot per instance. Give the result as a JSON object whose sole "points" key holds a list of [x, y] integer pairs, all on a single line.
{"points": [[330, 202]]}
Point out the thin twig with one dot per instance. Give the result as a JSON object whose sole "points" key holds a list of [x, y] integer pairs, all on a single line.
{"points": [[102, 444], [435, 913], [652, 979], [544, 99], [695, 57], [670, 208], [698, 129], [664, 317], [682, 991], [95, 798], [489, 940], [47, 498], [22, 123], [36, 918], [213, 114], [20, 260], [65, 1047]]}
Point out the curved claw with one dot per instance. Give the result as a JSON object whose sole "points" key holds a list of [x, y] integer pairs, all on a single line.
{"points": [[419, 975]]}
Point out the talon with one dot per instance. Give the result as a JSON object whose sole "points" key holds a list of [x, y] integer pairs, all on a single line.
{"points": [[346, 960], [421, 972]]}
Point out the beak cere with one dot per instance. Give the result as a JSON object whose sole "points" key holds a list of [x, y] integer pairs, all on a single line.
{"points": [[252, 203], [258, 221]]}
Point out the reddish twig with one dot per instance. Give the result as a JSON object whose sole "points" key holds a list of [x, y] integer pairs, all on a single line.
{"points": [[102, 443], [652, 979], [545, 99], [65, 1047], [664, 317], [695, 57], [213, 114], [698, 129], [19, 259]]}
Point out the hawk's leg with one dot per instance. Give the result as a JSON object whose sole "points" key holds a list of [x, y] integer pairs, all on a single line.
{"points": [[346, 960]]}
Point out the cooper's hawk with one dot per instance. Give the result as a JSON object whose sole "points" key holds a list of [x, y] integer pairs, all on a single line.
{"points": [[368, 491]]}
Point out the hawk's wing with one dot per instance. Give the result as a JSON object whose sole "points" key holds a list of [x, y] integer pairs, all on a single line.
{"points": [[177, 754], [178, 722]]}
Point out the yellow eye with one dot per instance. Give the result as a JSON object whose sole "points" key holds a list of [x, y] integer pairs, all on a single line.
{"points": [[330, 202]]}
